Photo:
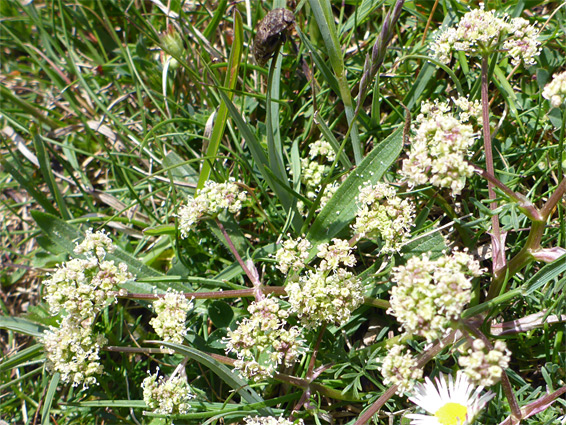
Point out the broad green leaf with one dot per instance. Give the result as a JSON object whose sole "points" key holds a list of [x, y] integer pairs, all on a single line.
{"points": [[341, 209]]}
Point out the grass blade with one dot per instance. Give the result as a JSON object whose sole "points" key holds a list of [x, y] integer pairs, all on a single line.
{"points": [[230, 83]]}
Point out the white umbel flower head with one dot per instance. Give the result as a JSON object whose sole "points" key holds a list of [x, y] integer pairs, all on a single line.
{"points": [[555, 91], [448, 402]]}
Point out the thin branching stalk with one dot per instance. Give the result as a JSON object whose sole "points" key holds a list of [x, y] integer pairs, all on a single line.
{"points": [[497, 248], [253, 275]]}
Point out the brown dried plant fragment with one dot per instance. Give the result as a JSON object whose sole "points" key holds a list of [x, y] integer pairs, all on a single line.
{"points": [[272, 30]]}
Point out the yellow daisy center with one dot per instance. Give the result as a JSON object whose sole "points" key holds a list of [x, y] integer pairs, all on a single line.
{"points": [[451, 414]]}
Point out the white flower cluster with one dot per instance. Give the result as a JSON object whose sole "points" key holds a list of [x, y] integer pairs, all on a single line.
{"points": [[340, 252], [468, 109], [381, 213], [171, 312], [312, 173], [432, 293], [439, 149], [270, 420], [292, 255], [73, 349], [555, 91], [263, 341], [485, 367], [480, 33], [211, 199], [80, 288], [324, 296], [401, 369], [167, 396]]}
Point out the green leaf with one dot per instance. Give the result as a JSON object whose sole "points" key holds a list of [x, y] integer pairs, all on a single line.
{"points": [[23, 326], [48, 400], [545, 275], [341, 209], [220, 313], [20, 356], [47, 173]]}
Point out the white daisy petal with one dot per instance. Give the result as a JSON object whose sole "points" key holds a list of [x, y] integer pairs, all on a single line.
{"points": [[449, 401]]}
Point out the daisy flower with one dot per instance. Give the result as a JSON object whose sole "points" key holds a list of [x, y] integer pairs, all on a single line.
{"points": [[452, 403]]}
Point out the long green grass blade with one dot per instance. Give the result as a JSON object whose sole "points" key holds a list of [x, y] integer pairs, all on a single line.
{"points": [[230, 83], [48, 400], [323, 15]]}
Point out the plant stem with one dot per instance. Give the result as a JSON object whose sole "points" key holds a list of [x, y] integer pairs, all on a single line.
{"points": [[497, 248], [236, 293], [253, 275]]}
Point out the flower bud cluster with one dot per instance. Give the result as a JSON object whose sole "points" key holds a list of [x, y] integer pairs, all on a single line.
{"points": [[480, 33], [401, 369], [555, 91], [381, 213], [171, 312], [325, 296], [313, 172], [80, 288], [167, 396], [264, 341], [211, 199], [270, 420], [292, 255], [439, 149], [432, 293], [485, 367]]}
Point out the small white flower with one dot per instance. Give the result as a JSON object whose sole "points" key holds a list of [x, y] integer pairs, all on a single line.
{"points": [[449, 403]]}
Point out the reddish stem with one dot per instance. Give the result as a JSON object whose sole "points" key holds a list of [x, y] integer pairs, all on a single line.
{"points": [[498, 250]]}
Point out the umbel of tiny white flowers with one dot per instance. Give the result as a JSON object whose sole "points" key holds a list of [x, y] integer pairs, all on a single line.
{"points": [[485, 367], [400, 368], [171, 312], [79, 289], [448, 403], [382, 214], [292, 255], [313, 172], [264, 341], [167, 396], [439, 148], [480, 33], [211, 200], [555, 91], [430, 294]]}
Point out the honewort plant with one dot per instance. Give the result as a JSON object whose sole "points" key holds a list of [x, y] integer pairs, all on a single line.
{"points": [[367, 228]]}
